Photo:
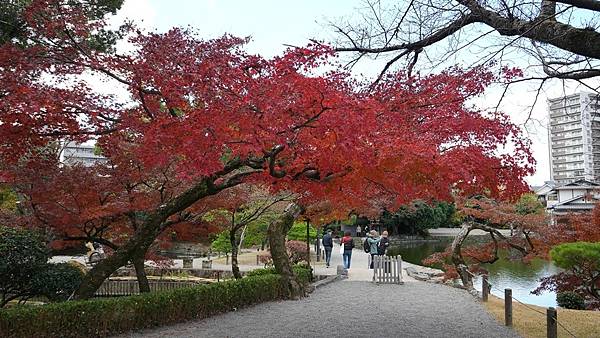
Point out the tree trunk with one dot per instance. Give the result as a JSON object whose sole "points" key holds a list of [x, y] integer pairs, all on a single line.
{"points": [[276, 233], [235, 269], [138, 243], [140, 272], [144, 236], [457, 258]]}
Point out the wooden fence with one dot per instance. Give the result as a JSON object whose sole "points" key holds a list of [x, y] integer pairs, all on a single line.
{"points": [[387, 270], [126, 287]]}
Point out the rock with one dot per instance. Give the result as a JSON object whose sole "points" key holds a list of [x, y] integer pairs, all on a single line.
{"points": [[424, 273]]}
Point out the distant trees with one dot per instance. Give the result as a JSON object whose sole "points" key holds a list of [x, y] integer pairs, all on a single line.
{"points": [[418, 216], [529, 204], [240, 209], [298, 232]]}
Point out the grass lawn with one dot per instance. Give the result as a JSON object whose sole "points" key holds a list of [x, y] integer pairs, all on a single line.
{"points": [[530, 324]]}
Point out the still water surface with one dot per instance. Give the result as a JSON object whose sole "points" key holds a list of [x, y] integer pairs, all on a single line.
{"points": [[520, 277]]}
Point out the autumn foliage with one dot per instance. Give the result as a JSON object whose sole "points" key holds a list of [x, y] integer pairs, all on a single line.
{"points": [[180, 118]]}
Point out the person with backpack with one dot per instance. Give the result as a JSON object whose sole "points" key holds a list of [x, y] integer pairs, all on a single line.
{"points": [[328, 246], [348, 244], [373, 241]]}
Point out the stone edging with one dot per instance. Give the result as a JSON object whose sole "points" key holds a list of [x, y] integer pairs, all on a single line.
{"points": [[325, 281]]}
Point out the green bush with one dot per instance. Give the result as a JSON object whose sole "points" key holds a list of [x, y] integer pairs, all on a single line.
{"points": [[261, 272], [570, 300], [578, 256], [57, 281], [102, 317], [303, 271], [23, 255]]}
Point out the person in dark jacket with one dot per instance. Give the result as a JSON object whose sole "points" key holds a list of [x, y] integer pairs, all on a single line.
{"points": [[328, 246], [383, 243], [348, 244]]}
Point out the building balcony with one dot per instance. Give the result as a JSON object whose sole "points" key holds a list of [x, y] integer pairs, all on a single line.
{"points": [[564, 122], [562, 138]]}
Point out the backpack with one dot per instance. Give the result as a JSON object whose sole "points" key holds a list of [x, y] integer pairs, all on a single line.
{"points": [[367, 246]]}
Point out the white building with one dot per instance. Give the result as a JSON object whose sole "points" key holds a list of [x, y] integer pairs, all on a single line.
{"points": [[574, 138], [85, 154], [546, 194], [578, 196]]}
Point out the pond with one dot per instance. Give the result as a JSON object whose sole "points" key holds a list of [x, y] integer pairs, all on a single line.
{"points": [[520, 277]]}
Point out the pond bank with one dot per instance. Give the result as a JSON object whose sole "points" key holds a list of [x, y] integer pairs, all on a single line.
{"points": [[505, 273]]}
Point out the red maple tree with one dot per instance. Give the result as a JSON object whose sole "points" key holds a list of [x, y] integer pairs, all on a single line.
{"points": [[201, 116]]}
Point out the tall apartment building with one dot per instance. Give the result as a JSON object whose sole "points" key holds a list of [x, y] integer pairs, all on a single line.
{"points": [[574, 138]]}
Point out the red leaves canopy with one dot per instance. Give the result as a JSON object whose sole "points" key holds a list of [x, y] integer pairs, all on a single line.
{"points": [[191, 105]]}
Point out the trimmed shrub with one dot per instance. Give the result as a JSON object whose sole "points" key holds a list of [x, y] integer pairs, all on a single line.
{"points": [[261, 272], [303, 271], [23, 255], [108, 316], [57, 281], [570, 300], [102, 317]]}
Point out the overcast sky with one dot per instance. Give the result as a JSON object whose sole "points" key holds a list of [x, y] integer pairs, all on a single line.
{"points": [[273, 24]]}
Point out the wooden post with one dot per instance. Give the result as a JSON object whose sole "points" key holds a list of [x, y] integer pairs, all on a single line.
{"points": [[508, 307], [227, 258], [218, 276], [257, 260], [484, 288], [399, 258], [551, 327]]}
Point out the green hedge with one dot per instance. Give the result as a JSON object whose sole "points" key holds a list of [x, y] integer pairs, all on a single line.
{"points": [[303, 271], [102, 317]]}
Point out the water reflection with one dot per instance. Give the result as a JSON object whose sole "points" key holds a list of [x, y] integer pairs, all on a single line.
{"points": [[520, 277]]}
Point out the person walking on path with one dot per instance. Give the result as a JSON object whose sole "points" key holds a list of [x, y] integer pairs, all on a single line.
{"points": [[348, 244], [373, 240], [328, 246], [358, 231]]}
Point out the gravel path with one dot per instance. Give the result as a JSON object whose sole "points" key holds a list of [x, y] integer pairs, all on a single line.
{"points": [[340, 309]]}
